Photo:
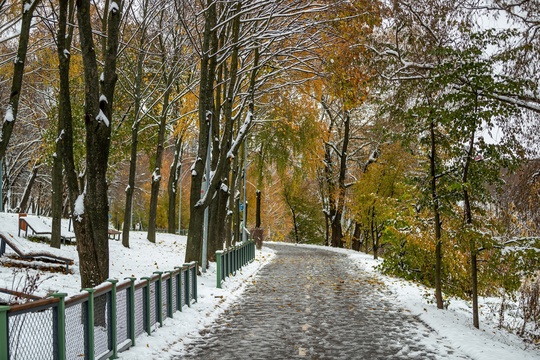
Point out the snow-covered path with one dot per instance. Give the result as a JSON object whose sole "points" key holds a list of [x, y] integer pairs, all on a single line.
{"points": [[305, 304]]}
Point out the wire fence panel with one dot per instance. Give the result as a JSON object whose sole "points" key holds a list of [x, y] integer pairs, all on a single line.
{"points": [[101, 324], [190, 296], [139, 312], [25, 343], [58, 328], [122, 330], [163, 299], [184, 293], [75, 320], [153, 304], [174, 292]]}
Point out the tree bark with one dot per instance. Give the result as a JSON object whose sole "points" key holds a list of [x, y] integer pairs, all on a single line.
{"points": [[156, 175], [23, 205], [64, 143], [206, 107], [356, 237], [174, 176], [337, 231], [437, 218], [469, 223], [258, 209], [18, 71], [93, 245], [130, 189]]}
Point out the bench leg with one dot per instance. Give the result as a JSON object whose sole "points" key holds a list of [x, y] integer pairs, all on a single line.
{"points": [[2, 247]]}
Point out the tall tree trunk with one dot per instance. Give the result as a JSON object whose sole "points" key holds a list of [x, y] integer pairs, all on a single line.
{"points": [[65, 118], [356, 237], [174, 176], [233, 218], [218, 208], [93, 246], [437, 218], [12, 109], [337, 231], [206, 107], [130, 189], [373, 233], [469, 223], [156, 175], [57, 187], [23, 205], [258, 209]]}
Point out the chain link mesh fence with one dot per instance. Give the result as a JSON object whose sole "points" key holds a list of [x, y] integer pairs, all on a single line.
{"points": [[25, 343], [101, 324], [139, 312], [53, 327], [76, 319], [122, 329]]}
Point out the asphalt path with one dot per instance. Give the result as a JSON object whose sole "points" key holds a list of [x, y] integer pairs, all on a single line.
{"points": [[310, 304]]}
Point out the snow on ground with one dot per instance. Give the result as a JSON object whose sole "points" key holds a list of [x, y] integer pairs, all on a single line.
{"points": [[455, 323], [143, 258]]}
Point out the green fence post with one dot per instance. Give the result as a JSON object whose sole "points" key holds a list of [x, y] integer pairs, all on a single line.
{"points": [[131, 309], [159, 298], [169, 294], [187, 283], [89, 351], [147, 305], [218, 268], [59, 329], [179, 304], [4, 333], [113, 325]]}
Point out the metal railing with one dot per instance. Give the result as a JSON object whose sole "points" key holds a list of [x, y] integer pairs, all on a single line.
{"points": [[96, 324], [230, 260]]}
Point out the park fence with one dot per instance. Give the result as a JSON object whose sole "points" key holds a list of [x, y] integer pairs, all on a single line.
{"points": [[98, 323], [230, 260]]}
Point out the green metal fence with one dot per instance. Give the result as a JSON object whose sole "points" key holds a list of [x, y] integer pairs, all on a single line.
{"points": [[96, 324], [230, 260]]}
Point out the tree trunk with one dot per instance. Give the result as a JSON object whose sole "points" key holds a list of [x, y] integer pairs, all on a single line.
{"points": [[128, 209], [65, 122], [217, 235], [174, 176], [93, 246], [337, 230], [469, 223], [156, 175], [437, 219], [356, 237], [233, 216], [11, 111], [206, 107], [23, 205], [258, 210], [57, 187]]}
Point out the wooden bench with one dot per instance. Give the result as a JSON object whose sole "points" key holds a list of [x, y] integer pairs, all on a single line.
{"points": [[21, 248], [113, 234], [39, 226]]}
